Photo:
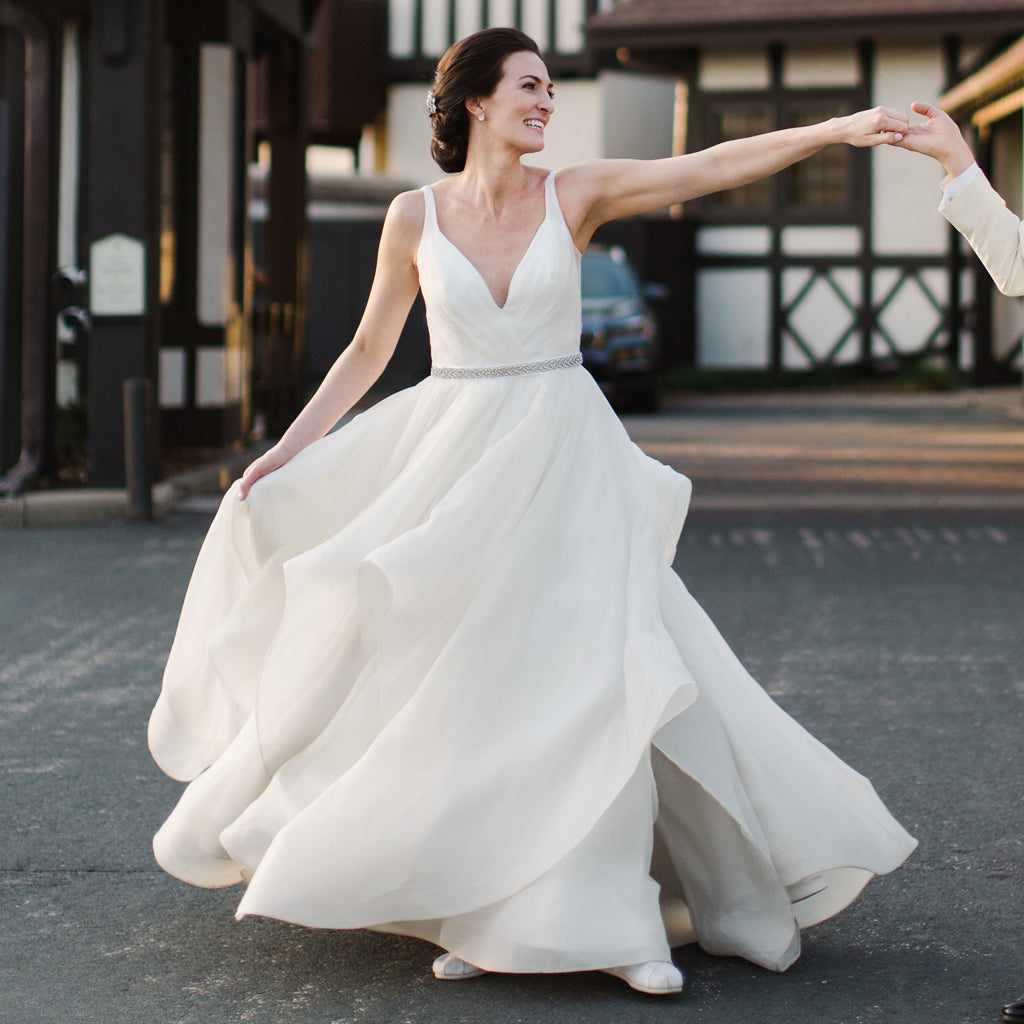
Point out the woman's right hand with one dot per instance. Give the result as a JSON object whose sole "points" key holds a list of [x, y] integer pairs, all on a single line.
{"points": [[395, 285], [270, 460]]}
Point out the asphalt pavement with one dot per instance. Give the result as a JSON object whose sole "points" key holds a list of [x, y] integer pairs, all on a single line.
{"points": [[880, 605]]}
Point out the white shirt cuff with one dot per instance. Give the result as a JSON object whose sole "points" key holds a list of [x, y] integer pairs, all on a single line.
{"points": [[952, 187]]}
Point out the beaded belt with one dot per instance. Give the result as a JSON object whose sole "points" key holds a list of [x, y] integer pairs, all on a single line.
{"points": [[505, 369]]}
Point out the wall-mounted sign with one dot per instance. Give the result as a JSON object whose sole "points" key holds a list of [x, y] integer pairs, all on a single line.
{"points": [[117, 276]]}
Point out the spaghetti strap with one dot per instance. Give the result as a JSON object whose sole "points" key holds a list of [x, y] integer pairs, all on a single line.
{"points": [[430, 207], [554, 207], [429, 221]]}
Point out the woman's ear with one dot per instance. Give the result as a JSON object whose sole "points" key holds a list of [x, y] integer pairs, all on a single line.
{"points": [[474, 107]]}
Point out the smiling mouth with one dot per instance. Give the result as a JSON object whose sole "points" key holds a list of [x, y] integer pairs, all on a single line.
{"points": [[533, 123]]}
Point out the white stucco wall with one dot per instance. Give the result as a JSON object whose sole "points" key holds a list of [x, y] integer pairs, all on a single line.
{"points": [[636, 114], [408, 136], [401, 22], [822, 319], [825, 64], [569, 17], [733, 314], [575, 133], [733, 68], [568, 23], [906, 196], [575, 130]]}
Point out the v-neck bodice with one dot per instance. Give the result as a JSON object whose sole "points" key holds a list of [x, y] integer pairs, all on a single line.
{"points": [[541, 315]]}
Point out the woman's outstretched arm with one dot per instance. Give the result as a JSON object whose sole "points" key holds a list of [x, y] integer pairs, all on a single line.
{"points": [[395, 284], [602, 190]]}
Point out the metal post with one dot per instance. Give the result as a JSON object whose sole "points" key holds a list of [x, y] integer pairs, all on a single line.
{"points": [[138, 479]]}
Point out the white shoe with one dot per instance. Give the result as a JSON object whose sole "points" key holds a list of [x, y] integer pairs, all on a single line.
{"points": [[655, 977], [448, 967]]}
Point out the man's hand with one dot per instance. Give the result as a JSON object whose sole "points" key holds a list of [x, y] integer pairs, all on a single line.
{"points": [[938, 137]]}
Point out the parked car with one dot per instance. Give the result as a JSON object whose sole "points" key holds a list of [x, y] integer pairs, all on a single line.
{"points": [[620, 333]]}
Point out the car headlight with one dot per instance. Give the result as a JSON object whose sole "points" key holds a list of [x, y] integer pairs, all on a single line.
{"points": [[631, 328]]}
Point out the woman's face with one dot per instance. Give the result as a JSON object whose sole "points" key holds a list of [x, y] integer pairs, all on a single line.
{"points": [[523, 102]]}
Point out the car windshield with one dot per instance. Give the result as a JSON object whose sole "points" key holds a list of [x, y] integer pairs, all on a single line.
{"points": [[604, 277]]}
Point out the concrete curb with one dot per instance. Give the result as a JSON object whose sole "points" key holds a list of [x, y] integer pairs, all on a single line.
{"points": [[861, 502], [1003, 403], [95, 506]]}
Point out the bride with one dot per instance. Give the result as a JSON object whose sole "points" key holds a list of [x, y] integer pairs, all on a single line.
{"points": [[434, 673]]}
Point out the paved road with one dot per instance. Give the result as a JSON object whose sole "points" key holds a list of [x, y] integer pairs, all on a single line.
{"points": [[894, 635]]}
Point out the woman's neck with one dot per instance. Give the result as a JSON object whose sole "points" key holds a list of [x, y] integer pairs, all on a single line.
{"points": [[491, 180]]}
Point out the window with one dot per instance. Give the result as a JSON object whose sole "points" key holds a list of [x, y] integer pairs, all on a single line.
{"points": [[821, 182], [735, 121], [820, 188]]}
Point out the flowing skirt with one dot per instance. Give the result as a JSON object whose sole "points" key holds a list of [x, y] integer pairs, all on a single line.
{"points": [[436, 676]]}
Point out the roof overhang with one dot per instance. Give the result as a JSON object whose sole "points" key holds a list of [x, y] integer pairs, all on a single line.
{"points": [[993, 92], [653, 25]]}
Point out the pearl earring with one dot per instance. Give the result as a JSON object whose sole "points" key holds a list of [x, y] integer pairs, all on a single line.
{"points": [[480, 117]]}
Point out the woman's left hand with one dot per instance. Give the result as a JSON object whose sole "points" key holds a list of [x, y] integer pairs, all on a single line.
{"points": [[875, 127]]}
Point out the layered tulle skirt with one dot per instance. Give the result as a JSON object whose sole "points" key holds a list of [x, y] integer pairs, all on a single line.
{"points": [[437, 676]]}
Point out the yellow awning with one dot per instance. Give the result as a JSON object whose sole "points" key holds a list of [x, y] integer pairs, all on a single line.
{"points": [[991, 93]]}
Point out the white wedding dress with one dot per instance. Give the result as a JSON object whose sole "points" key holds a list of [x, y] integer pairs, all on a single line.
{"points": [[436, 676]]}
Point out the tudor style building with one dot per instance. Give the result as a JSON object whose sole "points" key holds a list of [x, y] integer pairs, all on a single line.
{"points": [[126, 129], [842, 260], [597, 106]]}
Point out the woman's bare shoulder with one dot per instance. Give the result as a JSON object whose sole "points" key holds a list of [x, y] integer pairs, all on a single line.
{"points": [[407, 208], [403, 226], [404, 219]]}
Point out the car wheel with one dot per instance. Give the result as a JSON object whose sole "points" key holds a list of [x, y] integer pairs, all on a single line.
{"points": [[638, 398]]}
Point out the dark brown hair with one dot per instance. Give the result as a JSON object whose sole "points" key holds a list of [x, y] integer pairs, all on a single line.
{"points": [[470, 69]]}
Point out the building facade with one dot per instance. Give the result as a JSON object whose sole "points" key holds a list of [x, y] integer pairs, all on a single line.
{"points": [[129, 130], [126, 130], [596, 106], [842, 260]]}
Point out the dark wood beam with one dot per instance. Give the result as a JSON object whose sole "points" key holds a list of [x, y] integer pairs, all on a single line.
{"points": [[37, 245], [122, 135], [294, 16]]}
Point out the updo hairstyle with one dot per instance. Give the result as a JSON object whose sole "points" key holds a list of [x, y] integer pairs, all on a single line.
{"points": [[470, 69]]}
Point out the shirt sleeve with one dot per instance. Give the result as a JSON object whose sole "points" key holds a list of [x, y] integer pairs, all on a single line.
{"points": [[952, 187]]}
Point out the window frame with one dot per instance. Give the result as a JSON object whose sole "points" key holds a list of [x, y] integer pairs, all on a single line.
{"points": [[779, 209]]}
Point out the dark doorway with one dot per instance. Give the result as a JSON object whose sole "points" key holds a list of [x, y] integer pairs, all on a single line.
{"points": [[27, 224], [12, 175]]}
